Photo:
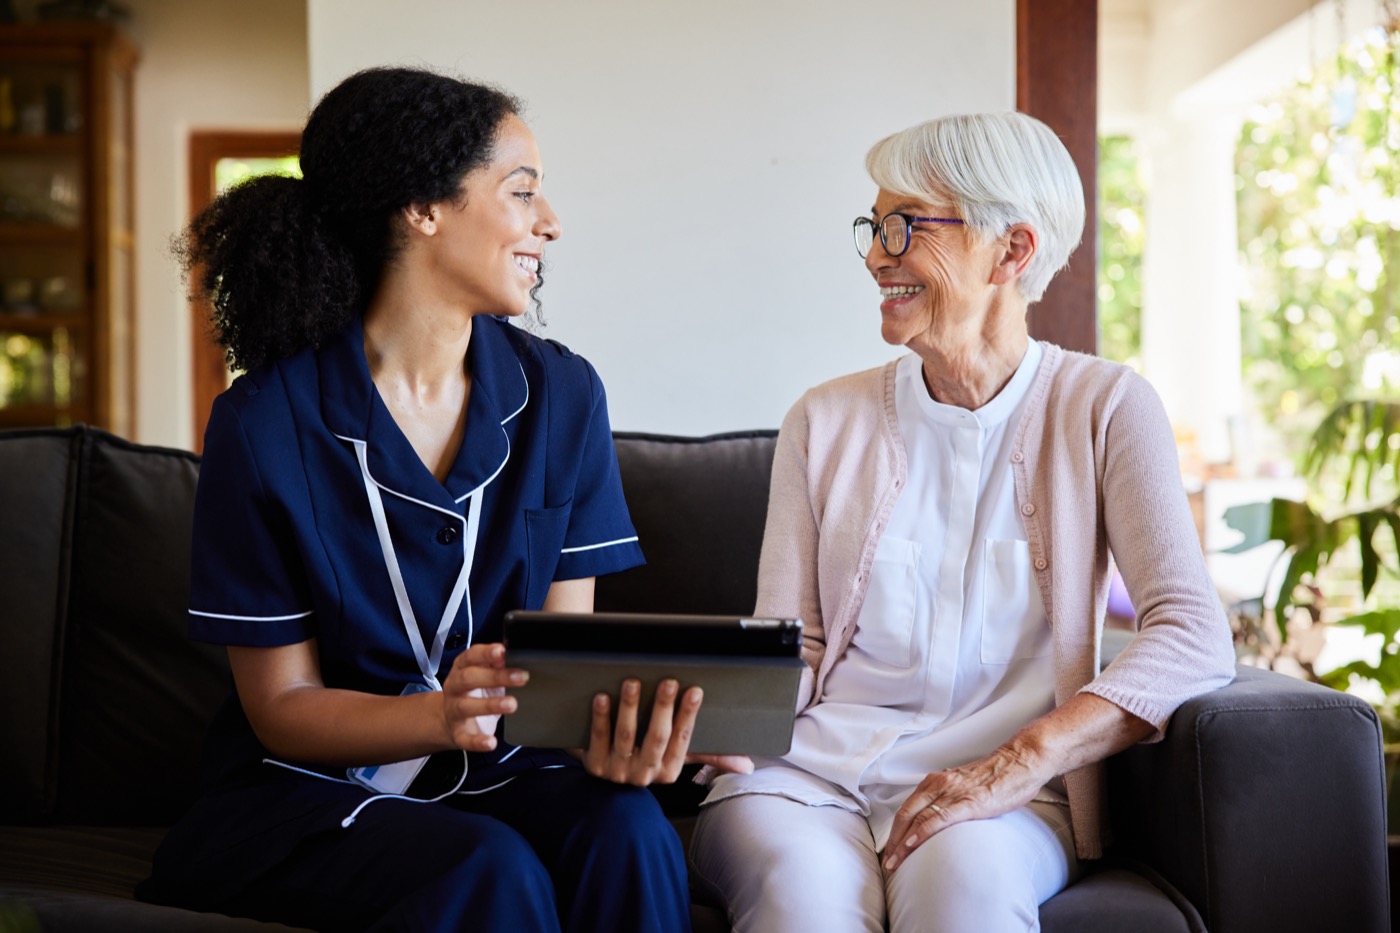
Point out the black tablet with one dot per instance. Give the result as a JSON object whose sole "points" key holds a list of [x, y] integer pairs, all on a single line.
{"points": [[748, 668]]}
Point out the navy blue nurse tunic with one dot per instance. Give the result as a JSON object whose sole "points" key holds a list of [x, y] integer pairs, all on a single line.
{"points": [[286, 548]]}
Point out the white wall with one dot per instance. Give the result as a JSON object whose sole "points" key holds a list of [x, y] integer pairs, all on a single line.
{"points": [[205, 65], [706, 160]]}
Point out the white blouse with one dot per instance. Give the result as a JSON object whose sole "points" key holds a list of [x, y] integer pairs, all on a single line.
{"points": [[952, 650]]}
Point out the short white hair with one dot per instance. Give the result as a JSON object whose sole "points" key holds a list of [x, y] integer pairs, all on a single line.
{"points": [[999, 169]]}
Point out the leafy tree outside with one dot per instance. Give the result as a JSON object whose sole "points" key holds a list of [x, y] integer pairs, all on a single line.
{"points": [[1319, 220], [1122, 203], [1318, 183]]}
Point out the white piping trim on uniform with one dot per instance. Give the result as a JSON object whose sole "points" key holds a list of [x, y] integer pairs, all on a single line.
{"points": [[524, 379], [507, 436], [592, 547], [219, 615], [345, 823], [484, 790], [428, 505], [394, 492], [491, 477], [349, 820]]}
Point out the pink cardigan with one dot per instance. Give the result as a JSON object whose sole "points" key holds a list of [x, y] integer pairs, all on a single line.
{"points": [[1096, 472]]}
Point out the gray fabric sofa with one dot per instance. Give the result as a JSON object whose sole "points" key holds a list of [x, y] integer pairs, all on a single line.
{"points": [[1263, 809]]}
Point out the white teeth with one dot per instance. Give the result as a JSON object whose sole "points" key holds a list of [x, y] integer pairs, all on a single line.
{"points": [[899, 291], [528, 263]]}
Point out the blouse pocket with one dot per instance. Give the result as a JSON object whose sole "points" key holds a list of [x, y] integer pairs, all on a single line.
{"points": [[544, 541], [886, 626], [1013, 615]]}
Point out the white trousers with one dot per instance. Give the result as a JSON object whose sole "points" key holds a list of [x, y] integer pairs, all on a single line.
{"points": [[780, 866]]}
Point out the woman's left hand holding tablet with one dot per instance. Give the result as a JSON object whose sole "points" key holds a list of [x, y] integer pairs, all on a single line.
{"points": [[474, 698], [614, 754]]}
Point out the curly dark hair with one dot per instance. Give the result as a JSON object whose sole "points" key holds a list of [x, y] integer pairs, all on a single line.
{"points": [[286, 262]]}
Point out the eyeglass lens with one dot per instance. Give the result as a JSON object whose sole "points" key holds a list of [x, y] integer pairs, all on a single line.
{"points": [[894, 234], [865, 235]]}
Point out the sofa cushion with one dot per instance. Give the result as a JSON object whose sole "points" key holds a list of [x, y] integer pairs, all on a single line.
{"points": [[35, 499], [137, 694], [1112, 900], [106, 715], [698, 504], [80, 879]]}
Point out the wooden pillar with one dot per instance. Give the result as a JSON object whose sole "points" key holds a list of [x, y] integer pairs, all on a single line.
{"points": [[1057, 83]]}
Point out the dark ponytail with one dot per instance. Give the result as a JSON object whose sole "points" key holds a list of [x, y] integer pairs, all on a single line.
{"points": [[277, 280], [287, 262]]}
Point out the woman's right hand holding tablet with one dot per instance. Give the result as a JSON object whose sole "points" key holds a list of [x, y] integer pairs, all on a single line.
{"points": [[615, 754]]}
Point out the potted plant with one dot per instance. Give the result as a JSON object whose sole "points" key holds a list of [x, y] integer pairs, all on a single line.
{"points": [[1352, 464]]}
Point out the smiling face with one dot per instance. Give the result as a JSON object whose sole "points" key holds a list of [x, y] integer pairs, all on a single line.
{"points": [[487, 245], [941, 285]]}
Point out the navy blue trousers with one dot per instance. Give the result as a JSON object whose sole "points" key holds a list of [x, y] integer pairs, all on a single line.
{"points": [[552, 850]]}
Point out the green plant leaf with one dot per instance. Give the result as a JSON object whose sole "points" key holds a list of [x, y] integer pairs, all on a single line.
{"points": [[1392, 518], [1297, 525], [1386, 673], [1303, 562], [1342, 437], [1384, 622], [1254, 520], [1366, 523]]}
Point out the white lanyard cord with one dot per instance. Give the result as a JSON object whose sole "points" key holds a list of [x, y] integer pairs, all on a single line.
{"points": [[427, 663]]}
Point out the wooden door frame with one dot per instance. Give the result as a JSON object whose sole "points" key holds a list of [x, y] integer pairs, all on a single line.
{"points": [[1057, 82], [209, 372]]}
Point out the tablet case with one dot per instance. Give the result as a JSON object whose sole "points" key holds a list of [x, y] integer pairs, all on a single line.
{"points": [[749, 669]]}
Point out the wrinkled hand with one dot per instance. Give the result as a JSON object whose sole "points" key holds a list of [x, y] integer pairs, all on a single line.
{"points": [[473, 696], [1003, 781], [615, 755]]}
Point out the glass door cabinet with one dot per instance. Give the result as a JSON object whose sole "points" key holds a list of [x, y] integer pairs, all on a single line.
{"points": [[67, 325]]}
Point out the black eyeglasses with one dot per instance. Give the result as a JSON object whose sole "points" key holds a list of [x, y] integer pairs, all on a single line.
{"points": [[894, 231]]}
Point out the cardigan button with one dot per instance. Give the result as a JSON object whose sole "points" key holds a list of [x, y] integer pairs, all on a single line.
{"points": [[447, 535], [1028, 509], [1041, 563], [455, 641], [1017, 457]]}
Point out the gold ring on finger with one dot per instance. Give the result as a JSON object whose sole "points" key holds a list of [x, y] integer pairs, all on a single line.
{"points": [[938, 811]]}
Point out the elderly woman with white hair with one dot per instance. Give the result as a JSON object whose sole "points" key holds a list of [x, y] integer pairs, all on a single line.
{"points": [[943, 525]]}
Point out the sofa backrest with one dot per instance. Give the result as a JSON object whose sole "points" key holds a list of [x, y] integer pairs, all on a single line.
{"points": [[698, 504], [105, 700]]}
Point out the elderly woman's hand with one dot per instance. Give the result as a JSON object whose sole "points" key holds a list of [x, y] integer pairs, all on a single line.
{"points": [[1084, 729], [1005, 780]]}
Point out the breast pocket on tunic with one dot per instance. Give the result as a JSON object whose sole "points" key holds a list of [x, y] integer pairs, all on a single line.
{"points": [[544, 540], [886, 626], [1013, 616]]}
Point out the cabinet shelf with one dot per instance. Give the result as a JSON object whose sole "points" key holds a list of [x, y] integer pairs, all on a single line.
{"points": [[13, 234], [42, 322], [49, 144], [26, 415]]}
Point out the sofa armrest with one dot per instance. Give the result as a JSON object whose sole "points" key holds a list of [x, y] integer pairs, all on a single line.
{"points": [[1264, 805]]}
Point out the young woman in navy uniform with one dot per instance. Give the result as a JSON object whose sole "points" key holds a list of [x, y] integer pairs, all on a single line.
{"points": [[399, 467]]}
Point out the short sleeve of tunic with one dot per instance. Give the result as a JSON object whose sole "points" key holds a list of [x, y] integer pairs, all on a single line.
{"points": [[599, 538], [246, 583]]}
